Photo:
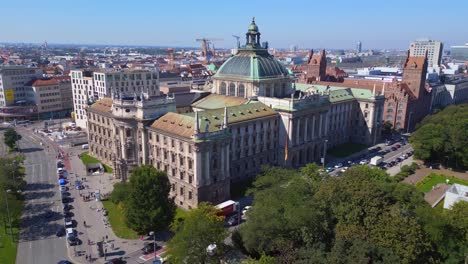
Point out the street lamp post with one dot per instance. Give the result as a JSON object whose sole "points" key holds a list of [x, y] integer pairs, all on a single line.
{"points": [[324, 152], [152, 233], [9, 215]]}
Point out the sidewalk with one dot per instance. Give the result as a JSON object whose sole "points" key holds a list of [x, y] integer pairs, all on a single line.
{"points": [[90, 211], [96, 229]]}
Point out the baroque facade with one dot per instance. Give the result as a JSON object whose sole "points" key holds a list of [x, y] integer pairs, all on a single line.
{"points": [[255, 116]]}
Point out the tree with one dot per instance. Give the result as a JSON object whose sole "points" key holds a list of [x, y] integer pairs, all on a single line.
{"points": [[120, 192], [11, 137], [201, 228], [364, 216], [148, 207], [443, 137]]}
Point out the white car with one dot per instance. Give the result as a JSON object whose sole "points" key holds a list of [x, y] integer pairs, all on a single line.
{"points": [[363, 162], [60, 170], [246, 209], [68, 222], [339, 165]]}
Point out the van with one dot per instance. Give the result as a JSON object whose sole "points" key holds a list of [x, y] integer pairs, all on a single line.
{"points": [[84, 146]]}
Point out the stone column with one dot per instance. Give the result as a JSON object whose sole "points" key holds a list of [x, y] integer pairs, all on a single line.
{"points": [[313, 127], [207, 162], [298, 129], [320, 125], [197, 167], [306, 134]]}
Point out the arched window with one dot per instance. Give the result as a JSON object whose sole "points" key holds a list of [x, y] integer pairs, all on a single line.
{"points": [[222, 88], [241, 90], [390, 105], [232, 89], [398, 125], [389, 118], [389, 110]]}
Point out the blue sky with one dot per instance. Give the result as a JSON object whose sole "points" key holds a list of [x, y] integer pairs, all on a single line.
{"points": [[310, 24]]}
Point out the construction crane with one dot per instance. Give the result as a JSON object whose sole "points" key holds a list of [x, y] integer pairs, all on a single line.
{"points": [[238, 41], [205, 45]]}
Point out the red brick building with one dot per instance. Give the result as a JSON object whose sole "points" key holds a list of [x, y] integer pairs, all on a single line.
{"points": [[406, 102]]}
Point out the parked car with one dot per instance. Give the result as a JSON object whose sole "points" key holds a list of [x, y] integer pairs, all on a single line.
{"points": [[68, 222], [63, 188], [246, 209], [363, 162], [339, 165], [78, 185], [149, 248], [329, 169], [71, 236], [233, 220], [60, 170], [393, 148], [66, 207], [398, 146]]}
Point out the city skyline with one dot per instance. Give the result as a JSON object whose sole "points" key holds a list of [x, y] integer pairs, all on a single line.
{"points": [[166, 24]]}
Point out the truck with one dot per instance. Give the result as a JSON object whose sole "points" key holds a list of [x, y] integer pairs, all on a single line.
{"points": [[375, 161], [228, 208]]}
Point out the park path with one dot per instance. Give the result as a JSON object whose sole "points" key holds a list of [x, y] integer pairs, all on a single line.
{"points": [[423, 172]]}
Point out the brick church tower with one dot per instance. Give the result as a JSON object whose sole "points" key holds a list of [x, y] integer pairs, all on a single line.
{"points": [[317, 66], [414, 77]]}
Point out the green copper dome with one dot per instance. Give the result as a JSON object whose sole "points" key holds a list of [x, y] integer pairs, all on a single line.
{"points": [[253, 26], [252, 65], [252, 61]]}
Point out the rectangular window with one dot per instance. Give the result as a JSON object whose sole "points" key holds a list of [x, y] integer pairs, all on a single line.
{"points": [[190, 195], [181, 191], [190, 178]]}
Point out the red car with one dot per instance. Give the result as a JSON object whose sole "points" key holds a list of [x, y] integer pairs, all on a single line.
{"points": [[398, 145]]}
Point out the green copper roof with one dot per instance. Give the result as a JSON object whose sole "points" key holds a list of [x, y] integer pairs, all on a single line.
{"points": [[252, 64]]}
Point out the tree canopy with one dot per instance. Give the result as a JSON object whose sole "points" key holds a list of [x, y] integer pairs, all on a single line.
{"points": [[148, 206], [362, 217], [443, 137], [199, 229], [10, 137]]}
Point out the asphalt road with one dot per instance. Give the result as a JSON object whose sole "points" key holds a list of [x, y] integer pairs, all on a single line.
{"points": [[38, 242], [387, 157]]}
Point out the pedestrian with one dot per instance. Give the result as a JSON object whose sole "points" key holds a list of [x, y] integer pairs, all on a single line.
{"points": [[112, 246], [86, 257], [106, 237]]}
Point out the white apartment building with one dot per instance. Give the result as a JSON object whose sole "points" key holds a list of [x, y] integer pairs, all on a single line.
{"points": [[89, 86], [12, 84], [434, 50]]}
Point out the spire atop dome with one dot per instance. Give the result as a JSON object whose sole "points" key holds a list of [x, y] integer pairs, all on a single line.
{"points": [[253, 36]]}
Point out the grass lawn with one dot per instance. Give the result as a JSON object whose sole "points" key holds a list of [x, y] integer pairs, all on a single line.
{"points": [[7, 246], [433, 179], [117, 221], [87, 159], [346, 149]]}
